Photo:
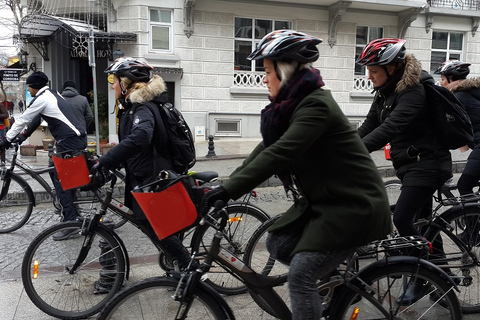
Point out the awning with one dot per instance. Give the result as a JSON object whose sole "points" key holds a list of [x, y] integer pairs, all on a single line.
{"points": [[39, 29]]}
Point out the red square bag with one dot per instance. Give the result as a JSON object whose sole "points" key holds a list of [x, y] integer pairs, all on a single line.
{"points": [[169, 209]]}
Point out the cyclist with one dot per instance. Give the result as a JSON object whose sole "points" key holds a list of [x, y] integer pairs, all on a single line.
{"points": [[309, 143], [454, 77], [399, 116], [69, 134], [135, 84]]}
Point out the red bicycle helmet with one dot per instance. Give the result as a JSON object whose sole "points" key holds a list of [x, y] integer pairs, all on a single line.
{"points": [[287, 45], [454, 69], [133, 69], [383, 51]]}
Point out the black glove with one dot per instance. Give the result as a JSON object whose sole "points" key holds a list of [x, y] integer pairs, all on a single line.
{"points": [[5, 144], [212, 196], [99, 168], [21, 138]]}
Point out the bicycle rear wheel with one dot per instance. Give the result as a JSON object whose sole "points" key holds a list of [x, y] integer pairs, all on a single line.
{"points": [[244, 220], [16, 204], [152, 299], [62, 294], [386, 284], [462, 260]]}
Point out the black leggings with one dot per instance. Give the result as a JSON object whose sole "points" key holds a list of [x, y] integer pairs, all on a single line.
{"points": [[413, 203]]}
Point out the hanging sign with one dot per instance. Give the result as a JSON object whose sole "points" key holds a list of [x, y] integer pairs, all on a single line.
{"points": [[10, 75]]}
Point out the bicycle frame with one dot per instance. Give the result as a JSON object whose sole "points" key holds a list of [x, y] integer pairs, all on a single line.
{"points": [[263, 285]]}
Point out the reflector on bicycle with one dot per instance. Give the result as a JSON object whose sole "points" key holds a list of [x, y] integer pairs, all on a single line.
{"points": [[169, 209], [72, 169]]}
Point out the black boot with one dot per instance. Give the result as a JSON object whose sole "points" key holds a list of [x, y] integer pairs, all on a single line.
{"points": [[414, 291]]}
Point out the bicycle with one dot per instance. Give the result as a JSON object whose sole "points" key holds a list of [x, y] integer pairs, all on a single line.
{"points": [[17, 198], [455, 247], [370, 293], [62, 285]]}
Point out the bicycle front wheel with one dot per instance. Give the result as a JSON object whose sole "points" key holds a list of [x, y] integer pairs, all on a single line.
{"points": [[62, 293], [456, 248], [16, 204], [243, 220], [152, 299], [388, 285]]}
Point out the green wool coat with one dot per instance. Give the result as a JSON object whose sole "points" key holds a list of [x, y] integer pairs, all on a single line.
{"points": [[343, 201]]}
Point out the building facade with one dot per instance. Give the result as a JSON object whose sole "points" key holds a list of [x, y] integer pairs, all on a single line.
{"points": [[200, 46]]}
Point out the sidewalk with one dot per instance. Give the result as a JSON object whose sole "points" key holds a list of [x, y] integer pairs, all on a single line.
{"points": [[230, 153]]}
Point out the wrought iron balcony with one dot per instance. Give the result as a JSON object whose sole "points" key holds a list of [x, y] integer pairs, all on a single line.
{"points": [[455, 4]]}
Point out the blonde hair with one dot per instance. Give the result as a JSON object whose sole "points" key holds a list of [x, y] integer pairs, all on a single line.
{"points": [[129, 87], [286, 70]]}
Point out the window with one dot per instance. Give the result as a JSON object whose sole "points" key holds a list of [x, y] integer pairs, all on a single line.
{"points": [[227, 127], [160, 30], [248, 32], [445, 46], [364, 36]]}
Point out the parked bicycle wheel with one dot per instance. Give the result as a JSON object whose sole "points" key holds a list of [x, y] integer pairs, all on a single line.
{"points": [[393, 188], [71, 295], [461, 250], [16, 203], [256, 254], [386, 288], [244, 220], [152, 298]]}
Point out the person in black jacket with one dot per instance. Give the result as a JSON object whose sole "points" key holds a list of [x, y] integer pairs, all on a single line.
{"points": [[80, 106], [399, 116], [467, 91], [134, 85]]}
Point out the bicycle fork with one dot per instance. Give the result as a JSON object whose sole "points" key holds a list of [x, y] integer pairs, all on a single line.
{"points": [[184, 292]]}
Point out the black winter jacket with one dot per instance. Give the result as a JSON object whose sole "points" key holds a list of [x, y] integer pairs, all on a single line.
{"points": [[136, 150], [468, 92], [399, 115]]}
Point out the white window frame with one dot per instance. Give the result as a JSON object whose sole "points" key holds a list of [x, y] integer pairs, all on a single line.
{"points": [[152, 24], [361, 46], [255, 41], [448, 51]]}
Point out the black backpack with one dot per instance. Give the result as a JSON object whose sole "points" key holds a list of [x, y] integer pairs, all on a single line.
{"points": [[450, 119], [173, 138]]}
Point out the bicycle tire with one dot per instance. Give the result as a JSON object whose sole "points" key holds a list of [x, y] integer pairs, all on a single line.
{"points": [[16, 205], [71, 296], [245, 219], [385, 283], [152, 297], [460, 260], [393, 188]]}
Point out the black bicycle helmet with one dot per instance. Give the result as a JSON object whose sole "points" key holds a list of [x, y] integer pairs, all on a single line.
{"points": [[380, 52], [287, 45], [133, 69], [454, 69]]}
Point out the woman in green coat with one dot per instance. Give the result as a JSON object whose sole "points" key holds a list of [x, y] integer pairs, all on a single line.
{"points": [[311, 146]]}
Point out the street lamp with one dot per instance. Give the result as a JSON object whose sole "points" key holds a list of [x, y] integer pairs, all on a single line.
{"points": [[23, 58], [117, 54]]}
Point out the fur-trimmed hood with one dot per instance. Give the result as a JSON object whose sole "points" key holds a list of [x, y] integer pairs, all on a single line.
{"points": [[155, 87], [412, 74], [464, 85]]}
